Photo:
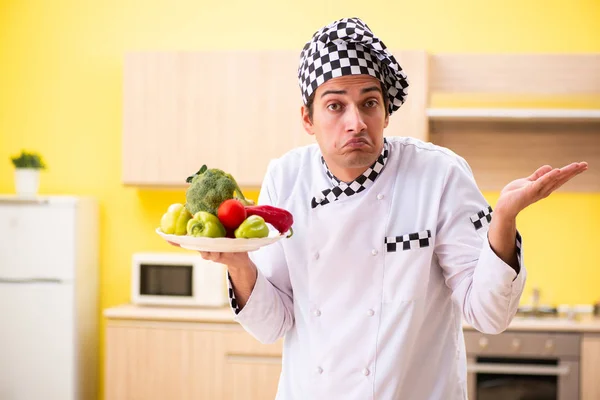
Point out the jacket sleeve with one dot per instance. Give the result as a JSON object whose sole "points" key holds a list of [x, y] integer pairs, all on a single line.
{"points": [[487, 289], [269, 312]]}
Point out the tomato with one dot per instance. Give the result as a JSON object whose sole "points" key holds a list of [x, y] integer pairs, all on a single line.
{"points": [[231, 213]]}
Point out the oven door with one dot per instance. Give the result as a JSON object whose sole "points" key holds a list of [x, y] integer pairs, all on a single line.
{"points": [[517, 379]]}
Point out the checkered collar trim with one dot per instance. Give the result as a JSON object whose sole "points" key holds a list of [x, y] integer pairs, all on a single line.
{"points": [[342, 189]]}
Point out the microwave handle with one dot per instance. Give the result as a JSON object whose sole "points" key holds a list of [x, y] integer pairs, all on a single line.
{"points": [[516, 369]]}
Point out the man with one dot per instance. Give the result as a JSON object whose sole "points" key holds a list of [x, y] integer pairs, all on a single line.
{"points": [[393, 242]]}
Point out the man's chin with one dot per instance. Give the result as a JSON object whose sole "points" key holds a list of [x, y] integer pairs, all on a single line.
{"points": [[358, 158]]}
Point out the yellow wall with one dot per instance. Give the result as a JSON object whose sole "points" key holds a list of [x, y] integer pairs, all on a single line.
{"points": [[60, 93]]}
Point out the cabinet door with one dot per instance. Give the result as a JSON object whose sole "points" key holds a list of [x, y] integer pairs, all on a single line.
{"points": [[590, 365], [231, 110], [160, 362], [250, 369]]}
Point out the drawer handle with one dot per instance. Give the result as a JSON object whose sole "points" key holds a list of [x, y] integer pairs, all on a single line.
{"points": [[517, 369], [253, 359]]}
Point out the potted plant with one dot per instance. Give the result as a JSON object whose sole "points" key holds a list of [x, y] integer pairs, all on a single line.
{"points": [[27, 172]]}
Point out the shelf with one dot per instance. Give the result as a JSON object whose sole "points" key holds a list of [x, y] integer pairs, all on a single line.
{"points": [[542, 114]]}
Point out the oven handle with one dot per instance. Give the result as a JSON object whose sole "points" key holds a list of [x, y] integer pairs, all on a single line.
{"points": [[516, 369]]}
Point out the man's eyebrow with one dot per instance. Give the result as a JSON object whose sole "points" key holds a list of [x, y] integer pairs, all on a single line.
{"points": [[371, 89], [332, 92], [363, 91]]}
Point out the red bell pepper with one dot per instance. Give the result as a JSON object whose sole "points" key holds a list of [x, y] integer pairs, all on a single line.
{"points": [[281, 219]]}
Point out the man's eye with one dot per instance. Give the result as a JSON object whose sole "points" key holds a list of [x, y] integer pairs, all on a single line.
{"points": [[334, 107], [371, 103]]}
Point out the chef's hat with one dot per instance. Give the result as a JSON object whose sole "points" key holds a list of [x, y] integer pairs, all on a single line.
{"points": [[348, 47]]}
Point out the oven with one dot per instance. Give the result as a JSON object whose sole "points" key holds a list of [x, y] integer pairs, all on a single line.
{"points": [[523, 366]]}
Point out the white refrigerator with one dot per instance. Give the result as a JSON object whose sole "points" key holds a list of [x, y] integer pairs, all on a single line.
{"points": [[49, 305]]}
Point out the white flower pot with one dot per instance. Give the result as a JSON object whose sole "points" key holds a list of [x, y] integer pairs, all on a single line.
{"points": [[27, 181]]}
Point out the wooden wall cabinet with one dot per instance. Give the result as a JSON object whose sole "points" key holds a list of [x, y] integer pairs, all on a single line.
{"points": [[237, 110]]}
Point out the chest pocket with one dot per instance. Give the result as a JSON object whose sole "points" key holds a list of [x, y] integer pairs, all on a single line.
{"points": [[407, 266]]}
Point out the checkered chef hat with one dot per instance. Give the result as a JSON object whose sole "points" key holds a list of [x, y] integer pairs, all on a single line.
{"points": [[348, 47]]}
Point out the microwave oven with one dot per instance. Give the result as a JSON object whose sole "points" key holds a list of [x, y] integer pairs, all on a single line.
{"points": [[172, 279]]}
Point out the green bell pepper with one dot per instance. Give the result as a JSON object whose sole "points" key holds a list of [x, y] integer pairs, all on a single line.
{"points": [[174, 221], [204, 224], [252, 227]]}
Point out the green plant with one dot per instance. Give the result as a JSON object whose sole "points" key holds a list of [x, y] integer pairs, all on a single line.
{"points": [[28, 160]]}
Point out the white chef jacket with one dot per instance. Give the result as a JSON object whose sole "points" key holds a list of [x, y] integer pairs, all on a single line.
{"points": [[360, 320]]}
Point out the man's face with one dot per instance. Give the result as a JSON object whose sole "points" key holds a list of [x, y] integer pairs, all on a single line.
{"points": [[348, 122]]}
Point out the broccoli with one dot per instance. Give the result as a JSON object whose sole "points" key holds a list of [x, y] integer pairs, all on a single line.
{"points": [[209, 188]]}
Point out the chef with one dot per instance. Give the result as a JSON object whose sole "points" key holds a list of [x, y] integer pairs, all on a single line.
{"points": [[393, 246]]}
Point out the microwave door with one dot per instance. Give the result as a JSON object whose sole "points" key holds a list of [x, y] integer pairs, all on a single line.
{"points": [[165, 284]]}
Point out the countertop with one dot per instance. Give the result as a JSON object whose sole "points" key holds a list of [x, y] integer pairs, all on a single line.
{"points": [[225, 315], [176, 314], [551, 324]]}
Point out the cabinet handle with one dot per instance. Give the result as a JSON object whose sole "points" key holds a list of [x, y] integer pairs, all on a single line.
{"points": [[253, 359]]}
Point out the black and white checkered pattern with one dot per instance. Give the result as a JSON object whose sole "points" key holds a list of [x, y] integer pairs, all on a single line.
{"points": [[482, 218], [410, 241], [519, 242], [342, 189], [232, 300], [349, 47]]}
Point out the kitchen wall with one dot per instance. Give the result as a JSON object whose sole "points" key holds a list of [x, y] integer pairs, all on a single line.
{"points": [[60, 93]]}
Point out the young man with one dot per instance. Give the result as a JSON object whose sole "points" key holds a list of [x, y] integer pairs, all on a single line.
{"points": [[393, 245]]}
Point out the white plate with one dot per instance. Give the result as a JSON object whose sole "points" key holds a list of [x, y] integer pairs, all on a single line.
{"points": [[221, 245]]}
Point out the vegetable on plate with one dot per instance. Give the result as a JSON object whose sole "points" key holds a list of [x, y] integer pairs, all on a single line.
{"points": [[204, 224], [281, 219], [209, 188], [174, 221], [253, 227]]}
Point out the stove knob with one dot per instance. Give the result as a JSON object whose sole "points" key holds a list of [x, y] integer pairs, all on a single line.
{"points": [[483, 343], [516, 344]]}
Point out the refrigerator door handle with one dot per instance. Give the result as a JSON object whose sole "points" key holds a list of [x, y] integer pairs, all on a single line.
{"points": [[30, 280], [19, 202]]}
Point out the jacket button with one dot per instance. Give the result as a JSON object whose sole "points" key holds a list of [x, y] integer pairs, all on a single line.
{"points": [[379, 196], [319, 370], [316, 256], [317, 313], [371, 313], [374, 252], [366, 372]]}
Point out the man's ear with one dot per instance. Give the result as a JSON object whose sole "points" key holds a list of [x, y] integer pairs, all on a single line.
{"points": [[306, 122], [387, 121]]}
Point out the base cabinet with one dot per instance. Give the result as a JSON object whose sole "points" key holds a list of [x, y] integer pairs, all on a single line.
{"points": [[155, 360]]}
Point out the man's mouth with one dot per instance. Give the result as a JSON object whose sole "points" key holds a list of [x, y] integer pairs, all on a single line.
{"points": [[356, 143]]}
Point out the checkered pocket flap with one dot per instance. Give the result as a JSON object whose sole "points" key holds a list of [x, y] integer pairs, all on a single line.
{"points": [[410, 241]]}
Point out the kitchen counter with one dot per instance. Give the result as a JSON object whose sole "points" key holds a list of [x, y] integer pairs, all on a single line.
{"points": [[173, 314], [225, 315], [551, 324]]}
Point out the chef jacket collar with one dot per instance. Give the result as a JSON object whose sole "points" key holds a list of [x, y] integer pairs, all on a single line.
{"points": [[341, 189]]}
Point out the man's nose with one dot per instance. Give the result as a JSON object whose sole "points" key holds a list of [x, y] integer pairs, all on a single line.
{"points": [[354, 120]]}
